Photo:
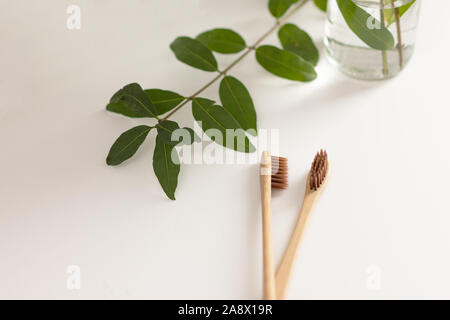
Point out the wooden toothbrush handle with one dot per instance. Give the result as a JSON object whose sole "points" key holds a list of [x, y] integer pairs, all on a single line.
{"points": [[266, 198], [286, 266]]}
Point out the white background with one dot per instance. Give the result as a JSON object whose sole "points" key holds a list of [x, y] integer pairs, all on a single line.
{"points": [[386, 205]]}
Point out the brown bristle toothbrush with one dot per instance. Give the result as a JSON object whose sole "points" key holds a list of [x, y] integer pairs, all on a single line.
{"points": [[315, 183], [273, 175]]}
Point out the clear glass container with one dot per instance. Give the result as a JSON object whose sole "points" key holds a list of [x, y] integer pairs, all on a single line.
{"points": [[371, 39]]}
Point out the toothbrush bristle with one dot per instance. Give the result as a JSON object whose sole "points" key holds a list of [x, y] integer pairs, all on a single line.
{"points": [[279, 173], [319, 169]]}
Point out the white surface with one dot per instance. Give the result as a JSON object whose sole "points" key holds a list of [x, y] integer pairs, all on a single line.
{"points": [[386, 204]]}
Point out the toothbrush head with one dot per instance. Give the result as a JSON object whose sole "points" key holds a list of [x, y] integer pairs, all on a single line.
{"points": [[319, 171], [279, 172]]}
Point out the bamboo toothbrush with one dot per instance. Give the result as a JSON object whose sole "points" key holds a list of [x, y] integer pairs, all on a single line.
{"points": [[273, 175], [315, 183]]}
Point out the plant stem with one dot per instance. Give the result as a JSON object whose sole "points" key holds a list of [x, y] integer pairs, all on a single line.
{"points": [[239, 59], [383, 53], [399, 35], [192, 97]]}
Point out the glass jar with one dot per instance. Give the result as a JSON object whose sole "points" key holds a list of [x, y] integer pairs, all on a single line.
{"points": [[371, 39]]}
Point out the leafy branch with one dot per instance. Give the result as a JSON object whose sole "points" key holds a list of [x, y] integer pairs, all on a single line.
{"points": [[204, 38], [294, 61], [393, 16]]}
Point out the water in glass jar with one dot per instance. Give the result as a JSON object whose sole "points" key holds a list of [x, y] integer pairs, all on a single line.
{"points": [[354, 57]]}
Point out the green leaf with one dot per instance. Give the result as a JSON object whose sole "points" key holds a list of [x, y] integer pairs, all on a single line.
{"points": [[321, 4], [299, 42], [366, 27], [215, 117], [279, 7], [389, 14], [127, 145], [120, 107], [132, 101], [237, 100], [166, 131], [164, 100], [285, 64], [194, 53], [166, 170], [191, 137], [222, 40]]}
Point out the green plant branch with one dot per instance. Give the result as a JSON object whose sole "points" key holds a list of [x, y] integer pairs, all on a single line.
{"points": [[192, 96], [383, 53], [399, 35], [239, 59]]}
